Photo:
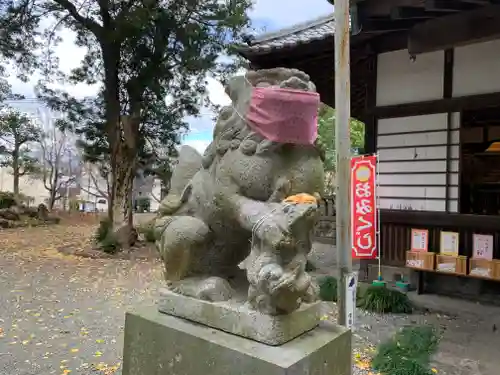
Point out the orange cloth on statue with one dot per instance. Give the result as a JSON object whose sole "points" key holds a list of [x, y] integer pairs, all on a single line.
{"points": [[301, 198]]}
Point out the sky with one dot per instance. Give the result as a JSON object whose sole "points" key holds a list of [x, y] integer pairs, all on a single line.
{"points": [[268, 15]]}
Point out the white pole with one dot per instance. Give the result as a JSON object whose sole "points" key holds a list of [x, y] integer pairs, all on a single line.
{"points": [[343, 148], [377, 197]]}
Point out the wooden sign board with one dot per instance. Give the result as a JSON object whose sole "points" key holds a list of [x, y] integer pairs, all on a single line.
{"points": [[420, 240], [482, 246], [364, 207], [449, 243]]}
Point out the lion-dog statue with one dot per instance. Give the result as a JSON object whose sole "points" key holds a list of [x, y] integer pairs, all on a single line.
{"points": [[226, 212]]}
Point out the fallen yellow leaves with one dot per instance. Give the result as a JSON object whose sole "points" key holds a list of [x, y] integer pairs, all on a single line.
{"points": [[363, 364], [57, 306], [107, 369], [44, 242], [362, 360]]}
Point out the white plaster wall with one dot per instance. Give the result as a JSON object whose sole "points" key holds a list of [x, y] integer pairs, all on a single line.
{"points": [[28, 186], [399, 80], [477, 69], [155, 195], [412, 163]]}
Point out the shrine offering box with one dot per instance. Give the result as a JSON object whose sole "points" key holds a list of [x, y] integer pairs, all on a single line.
{"points": [[448, 259], [485, 268], [497, 270], [482, 263], [419, 240], [420, 260], [451, 263]]}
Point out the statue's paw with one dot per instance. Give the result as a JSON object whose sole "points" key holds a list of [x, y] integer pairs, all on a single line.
{"points": [[262, 303], [174, 287], [312, 294], [289, 221], [301, 216]]}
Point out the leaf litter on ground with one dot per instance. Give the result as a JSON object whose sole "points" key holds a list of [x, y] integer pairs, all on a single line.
{"points": [[56, 304]]}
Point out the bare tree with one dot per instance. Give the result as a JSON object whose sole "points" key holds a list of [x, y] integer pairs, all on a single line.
{"points": [[59, 164], [95, 179]]}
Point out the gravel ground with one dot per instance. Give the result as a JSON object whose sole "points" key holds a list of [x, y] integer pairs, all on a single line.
{"points": [[65, 315], [62, 314], [469, 343]]}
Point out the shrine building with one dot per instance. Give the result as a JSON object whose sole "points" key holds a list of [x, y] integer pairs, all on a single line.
{"points": [[425, 81]]}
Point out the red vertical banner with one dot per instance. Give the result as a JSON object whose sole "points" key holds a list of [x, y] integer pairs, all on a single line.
{"points": [[364, 207]]}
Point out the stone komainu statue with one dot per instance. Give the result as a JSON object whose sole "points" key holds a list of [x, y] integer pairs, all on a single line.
{"points": [[225, 213]]}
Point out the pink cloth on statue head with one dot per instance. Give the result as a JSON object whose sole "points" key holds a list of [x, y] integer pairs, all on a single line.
{"points": [[284, 115]]}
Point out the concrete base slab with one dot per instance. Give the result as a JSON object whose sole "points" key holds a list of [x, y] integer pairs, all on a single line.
{"points": [[238, 318], [160, 344]]}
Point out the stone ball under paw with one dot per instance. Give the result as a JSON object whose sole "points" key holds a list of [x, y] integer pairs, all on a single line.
{"points": [[215, 289]]}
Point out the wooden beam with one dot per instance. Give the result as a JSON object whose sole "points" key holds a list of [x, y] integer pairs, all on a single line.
{"points": [[406, 12], [449, 5], [478, 2], [437, 106], [389, 42], [370, 144], [455, 30], [449, 57], [440, 219], [385, 24]]}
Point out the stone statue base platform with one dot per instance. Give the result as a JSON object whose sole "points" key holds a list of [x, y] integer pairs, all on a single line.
{"points": [[160, 344], [236, 317]]}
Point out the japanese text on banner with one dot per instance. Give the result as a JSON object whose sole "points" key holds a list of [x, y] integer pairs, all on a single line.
{"points": [[363, 207]]}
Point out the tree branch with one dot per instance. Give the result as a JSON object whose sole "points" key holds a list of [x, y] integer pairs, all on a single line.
{"points": [[90, 24], [155, 197], [95, 185], [99, 195]]}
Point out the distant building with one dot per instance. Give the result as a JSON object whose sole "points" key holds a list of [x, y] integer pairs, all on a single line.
{"points": [[147, 187], [28, 186], [93, 190]]}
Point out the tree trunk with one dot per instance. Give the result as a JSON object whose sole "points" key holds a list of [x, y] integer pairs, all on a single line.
{"points": [[124, 173], [130, 189], [122, 203], [111, 55], [52, 199], [15, 173], [122, 134], [54, 183]]}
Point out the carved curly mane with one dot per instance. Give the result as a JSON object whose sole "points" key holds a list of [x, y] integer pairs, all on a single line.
{"points": [[231, 131]]}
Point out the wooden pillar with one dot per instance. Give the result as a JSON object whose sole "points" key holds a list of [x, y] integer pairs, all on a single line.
{"points": [[370, 120], [448, 93]]}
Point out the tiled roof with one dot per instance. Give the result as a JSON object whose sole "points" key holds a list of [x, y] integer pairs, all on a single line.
{"points": [[318, 29]]}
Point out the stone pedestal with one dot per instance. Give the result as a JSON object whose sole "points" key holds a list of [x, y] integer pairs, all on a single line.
{"points": [[160, 344], [236, 317]]}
